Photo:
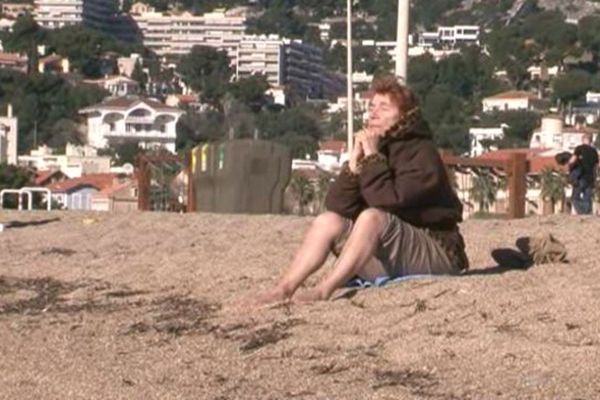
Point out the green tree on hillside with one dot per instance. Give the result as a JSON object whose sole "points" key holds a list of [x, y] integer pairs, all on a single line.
{"points": [[139, 76], [42, 100], [450, 92], [552, 35], [335, 58], [85, 47], [444, 112], [194, 128], [589, 32], [251, 92], [428, 13], [571, 86], [296, 127], [207, 71], [14, 177], [422, 74], [521, 124], [25, 36], [279, 16]]}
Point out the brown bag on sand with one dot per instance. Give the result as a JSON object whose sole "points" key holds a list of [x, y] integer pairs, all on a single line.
{"points": [[545, 249]]}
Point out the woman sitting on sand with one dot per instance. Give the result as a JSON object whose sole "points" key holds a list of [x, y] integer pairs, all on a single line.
{"points": [[391, 212]]}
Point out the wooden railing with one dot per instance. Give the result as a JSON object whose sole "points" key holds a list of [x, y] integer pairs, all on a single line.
{"points": [[157, 172], [515, 169]]}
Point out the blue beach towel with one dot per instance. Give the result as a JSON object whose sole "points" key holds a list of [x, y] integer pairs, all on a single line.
{"points": [[380, 281]]}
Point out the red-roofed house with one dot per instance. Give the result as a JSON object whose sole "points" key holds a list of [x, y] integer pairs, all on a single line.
{"points": [[184, 100], [54, 63], [77, 193], [120, 197], [330, 153], [50, 176], [145, 121], [512, 100], [13, 61]]}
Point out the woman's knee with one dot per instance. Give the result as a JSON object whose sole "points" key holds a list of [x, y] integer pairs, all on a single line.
{"points": [[372, 218], [331, 223]]}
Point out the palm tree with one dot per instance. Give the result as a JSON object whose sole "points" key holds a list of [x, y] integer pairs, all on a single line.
{"points": [[304, 191], [322, 187], [552, 186], [483, 190]]}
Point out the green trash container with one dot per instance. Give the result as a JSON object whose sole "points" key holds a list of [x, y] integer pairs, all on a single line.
{"points": [[242, 176]]}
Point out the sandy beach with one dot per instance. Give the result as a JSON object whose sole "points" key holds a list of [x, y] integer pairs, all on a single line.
{"points": [[146, 306]]}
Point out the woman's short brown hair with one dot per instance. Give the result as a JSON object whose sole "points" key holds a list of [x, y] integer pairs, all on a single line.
{"points": [[401, 95]]}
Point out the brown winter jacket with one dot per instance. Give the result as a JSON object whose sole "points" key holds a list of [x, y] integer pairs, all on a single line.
{"points": [[408, 179]]}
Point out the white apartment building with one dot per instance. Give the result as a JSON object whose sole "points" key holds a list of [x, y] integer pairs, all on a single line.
{"points": [[284, 62], [413, 50], [479, 135], [8, 137], [260, 55], [58, 13], [450, 36], [553, 134], [147, 122], [126, 65], [437, 54], [6, 25], [542, 72], [176, 34], [116, 85], [101, 15], [95, 14], [592, 97], [77, 160], [511, 100]]}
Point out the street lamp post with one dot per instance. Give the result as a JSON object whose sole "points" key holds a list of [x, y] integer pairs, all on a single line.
{"points": [[402, 40], [349, 95]]}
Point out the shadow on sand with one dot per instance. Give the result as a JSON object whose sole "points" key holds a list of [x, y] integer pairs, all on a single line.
{"points": [[508, 259], [23, 224]]}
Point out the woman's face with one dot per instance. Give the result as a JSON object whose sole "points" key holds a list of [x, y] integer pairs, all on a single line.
{"points": [[383, 113]]}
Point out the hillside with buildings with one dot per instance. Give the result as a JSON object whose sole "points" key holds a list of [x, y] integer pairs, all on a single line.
{"points": [[154, 78]]}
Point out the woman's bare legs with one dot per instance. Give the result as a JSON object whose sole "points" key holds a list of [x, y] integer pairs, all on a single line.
{"points": [[313, 252], [354, 260]]}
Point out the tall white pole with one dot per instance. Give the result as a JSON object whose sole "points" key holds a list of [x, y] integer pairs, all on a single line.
{"points": [[350, 103], [402, 39]]}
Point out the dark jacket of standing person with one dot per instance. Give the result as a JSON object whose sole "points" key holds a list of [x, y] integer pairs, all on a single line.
{"points": [[587, 162]]}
